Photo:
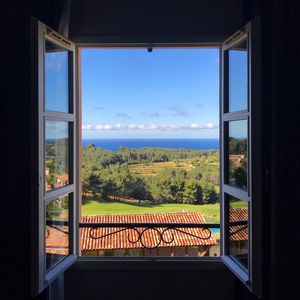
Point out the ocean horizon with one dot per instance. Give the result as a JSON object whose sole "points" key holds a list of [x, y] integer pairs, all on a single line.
{"points": [[180, 143]]}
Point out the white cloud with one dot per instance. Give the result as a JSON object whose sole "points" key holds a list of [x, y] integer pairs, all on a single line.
{"points": [[87, 127], [108, 127], [98, 127], [193, 126], [132, 126], [210, 126]]}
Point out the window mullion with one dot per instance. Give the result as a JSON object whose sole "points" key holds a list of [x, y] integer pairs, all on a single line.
{"points": [[59, 192], [59, 116]]}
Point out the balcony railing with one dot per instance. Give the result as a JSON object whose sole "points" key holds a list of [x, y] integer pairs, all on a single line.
{"points": [[164, 232], [138, 232]]}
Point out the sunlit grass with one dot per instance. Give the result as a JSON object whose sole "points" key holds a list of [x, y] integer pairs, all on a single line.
{"points": [[211, 212]]}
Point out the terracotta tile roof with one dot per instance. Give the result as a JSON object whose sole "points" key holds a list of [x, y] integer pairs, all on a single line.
{"points": [[57, 241], [239, 233], [150, 238]]}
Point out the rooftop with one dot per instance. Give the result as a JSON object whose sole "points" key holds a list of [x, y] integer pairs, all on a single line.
{"points": [[108, 238]]}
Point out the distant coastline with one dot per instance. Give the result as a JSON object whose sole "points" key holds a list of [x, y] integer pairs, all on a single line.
{"points": [[115, 144]]}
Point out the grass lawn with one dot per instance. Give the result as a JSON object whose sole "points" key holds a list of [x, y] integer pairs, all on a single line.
{"points": [[211, 212]]}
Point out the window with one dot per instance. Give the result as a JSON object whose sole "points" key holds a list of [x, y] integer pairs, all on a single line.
{"points": [[241, 173], [59, 175], [57, 156]]}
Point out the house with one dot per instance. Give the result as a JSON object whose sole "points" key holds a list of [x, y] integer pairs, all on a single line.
{"points": [[113, 242], [187, 242]]}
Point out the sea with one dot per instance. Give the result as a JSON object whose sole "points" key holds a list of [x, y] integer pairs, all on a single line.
{"points": [[115, 144]]}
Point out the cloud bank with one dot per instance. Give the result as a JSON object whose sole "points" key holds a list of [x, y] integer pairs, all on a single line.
{"points": [[193, 126]]}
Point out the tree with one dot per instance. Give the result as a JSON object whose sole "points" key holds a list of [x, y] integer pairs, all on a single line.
{"points": [[85, 181], [139, 189], [53, 209], [108, 188], [95, 183], [209, 193], [192, 192], [240, 174]]}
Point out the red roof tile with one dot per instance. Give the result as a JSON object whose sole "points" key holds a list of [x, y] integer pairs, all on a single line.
{"points": [[239, 232], [57, 242], [150, 238]]}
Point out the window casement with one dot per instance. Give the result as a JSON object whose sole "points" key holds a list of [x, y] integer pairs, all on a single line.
{"points": [[59, 144], [55, 242], [240, 155]]}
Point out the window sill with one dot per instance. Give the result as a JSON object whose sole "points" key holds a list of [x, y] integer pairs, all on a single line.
{"points": [[149, 263]]}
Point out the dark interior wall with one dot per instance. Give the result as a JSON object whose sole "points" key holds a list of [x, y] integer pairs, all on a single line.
{"points": [[281, 94], [152, 20], [281, 144], [153, 280], [15, 155], [285, 149]]}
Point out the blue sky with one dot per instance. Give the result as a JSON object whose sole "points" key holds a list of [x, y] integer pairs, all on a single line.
{"points": [[56, 87], [169, 93]]}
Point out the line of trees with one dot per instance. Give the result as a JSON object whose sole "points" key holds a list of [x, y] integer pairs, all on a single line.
{"points": [[107, 173], [103, 158]]}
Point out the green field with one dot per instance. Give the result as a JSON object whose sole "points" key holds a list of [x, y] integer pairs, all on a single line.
{"points": [[152, 169], [211, 212]]}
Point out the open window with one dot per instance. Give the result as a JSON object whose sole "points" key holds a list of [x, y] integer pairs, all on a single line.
{"points": [[57, 167], [240, 158], [59, 146]]}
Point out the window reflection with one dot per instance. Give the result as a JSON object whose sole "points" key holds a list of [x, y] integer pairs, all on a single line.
{"points": [[57, 157], [238, 153], [238, 77], [56, 78], [57, 230], [238, 230]]}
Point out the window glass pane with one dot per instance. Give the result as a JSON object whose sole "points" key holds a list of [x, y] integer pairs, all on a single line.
{"points": [[238, 153], [238, 77], [238, 230], [57, 230], [56, 78], [57, 154]]}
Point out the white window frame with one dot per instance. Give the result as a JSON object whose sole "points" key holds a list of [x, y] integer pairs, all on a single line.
{"points": [[41, 277], [114, 46], [253, 277]]}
